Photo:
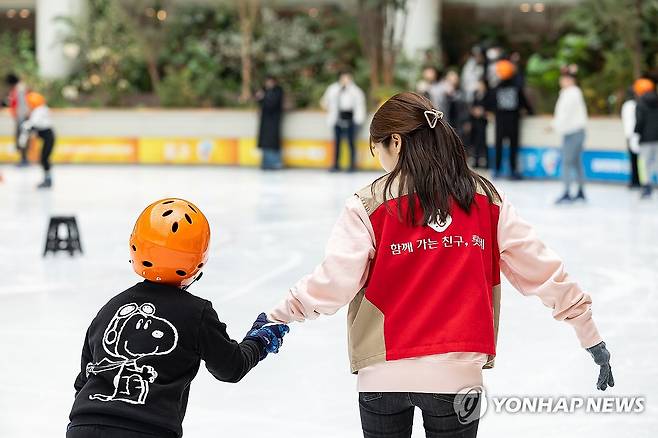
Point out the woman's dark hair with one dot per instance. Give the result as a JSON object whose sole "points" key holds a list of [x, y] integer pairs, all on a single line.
{"points": [[432, 164], [11, 79]]}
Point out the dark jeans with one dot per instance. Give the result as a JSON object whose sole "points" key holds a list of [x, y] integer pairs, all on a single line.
{"points": [[349, 132], [479, 141], [107, 432], [391, 415], [48, 137], [271, 159], [507, 128], [635, 175]]}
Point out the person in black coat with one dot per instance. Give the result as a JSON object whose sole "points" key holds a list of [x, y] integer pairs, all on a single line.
{"points": [[270, 99]]}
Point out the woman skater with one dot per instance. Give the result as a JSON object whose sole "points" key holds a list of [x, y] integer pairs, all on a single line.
{"points": [[417, 255]]}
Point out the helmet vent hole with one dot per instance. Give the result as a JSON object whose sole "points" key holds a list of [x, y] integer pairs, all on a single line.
{"points": [[167, 213], [174, 227], [134, 248], [181, 273], [167, 202], [192, 208], [200, 266], [188, 218], [147, 263]]}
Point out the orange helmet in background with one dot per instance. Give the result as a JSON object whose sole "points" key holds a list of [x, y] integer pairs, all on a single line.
{"points": [[35, 100], [505, 69], [643, 86], [169, 243]]}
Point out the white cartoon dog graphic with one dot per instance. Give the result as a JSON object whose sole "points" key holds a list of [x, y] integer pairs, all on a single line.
{"points": [[133, 333]]}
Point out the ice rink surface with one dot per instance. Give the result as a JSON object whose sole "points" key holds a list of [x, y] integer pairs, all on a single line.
{"points": [[269, 229]]}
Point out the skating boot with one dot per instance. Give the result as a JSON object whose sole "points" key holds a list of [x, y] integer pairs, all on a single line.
{"points": [[46, 184]]}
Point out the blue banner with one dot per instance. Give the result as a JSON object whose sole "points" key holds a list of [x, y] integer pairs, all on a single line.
{"points": [[546, 163]]}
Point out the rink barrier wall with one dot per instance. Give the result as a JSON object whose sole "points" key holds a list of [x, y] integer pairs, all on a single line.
{"points": [[227, 137]]}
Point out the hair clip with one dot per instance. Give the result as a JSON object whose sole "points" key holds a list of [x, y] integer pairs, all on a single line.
{"points": [[432, 116]]}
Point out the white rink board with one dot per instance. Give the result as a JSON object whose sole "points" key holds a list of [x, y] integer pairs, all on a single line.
{"points": [[268, 230]]}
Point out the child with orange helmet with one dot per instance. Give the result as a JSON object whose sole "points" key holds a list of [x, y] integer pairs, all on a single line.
{"points": [[506, 101], [144, 347], [646, 126], [39, 123]]}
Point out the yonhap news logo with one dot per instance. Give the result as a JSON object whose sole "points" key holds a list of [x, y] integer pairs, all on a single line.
{"points": [[472, 403]]}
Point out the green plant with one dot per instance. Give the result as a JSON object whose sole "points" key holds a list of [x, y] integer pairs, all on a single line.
{"points": [[543, 72], [17, 55]]}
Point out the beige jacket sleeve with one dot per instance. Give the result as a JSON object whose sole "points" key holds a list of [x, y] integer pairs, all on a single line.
{"points": [[342, 274], [534, 269]]}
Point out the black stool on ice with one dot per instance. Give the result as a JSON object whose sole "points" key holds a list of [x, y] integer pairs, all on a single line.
{"points": [[54, 241]]}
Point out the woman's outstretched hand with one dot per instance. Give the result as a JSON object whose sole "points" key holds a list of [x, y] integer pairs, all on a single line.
{"points": [[601, 357], [268, 333]]}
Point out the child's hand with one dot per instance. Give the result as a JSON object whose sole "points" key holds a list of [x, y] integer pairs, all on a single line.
{"points": [[270, 334]]}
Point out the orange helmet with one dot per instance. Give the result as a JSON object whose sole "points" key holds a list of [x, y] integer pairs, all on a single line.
{"points": [[35, 100], [169, 243], [505, 69], [643, 86]]}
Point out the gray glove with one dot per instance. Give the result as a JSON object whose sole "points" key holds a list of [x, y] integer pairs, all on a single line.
{"points": [[601, 357]]}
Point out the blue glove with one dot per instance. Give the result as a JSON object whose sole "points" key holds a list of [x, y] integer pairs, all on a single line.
{"points": [[601, 357], [269, 334]]}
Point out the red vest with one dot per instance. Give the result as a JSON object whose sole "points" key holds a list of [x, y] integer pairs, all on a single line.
{"points": [[431, 289], [434, 285]]}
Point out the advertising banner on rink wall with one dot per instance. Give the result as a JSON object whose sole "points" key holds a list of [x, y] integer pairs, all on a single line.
{"points": [[187, 150], [536, 162], [544, 163], [83, 150]]}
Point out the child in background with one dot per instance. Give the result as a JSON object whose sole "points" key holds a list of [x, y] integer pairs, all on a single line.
{"points": [[39, 122], [417, 255], [646, 126], [507, 100], [144, 347]]}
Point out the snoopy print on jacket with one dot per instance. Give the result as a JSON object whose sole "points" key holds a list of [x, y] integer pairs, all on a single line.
{"points": [[133, 333]]}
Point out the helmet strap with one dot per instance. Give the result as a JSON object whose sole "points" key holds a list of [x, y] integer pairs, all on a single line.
{"points": [[197, 278]]}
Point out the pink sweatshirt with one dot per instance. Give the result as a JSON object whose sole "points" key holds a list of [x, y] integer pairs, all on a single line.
{"points": [[531, 267]]}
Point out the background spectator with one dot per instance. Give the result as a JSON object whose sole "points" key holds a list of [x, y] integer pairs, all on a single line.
{"points": [[472, 73], [17, 103], [345, 103], [570, 121], [632, 139], [429, 77], [478, 133], [646, 125], [270, 99], [507, 100]]}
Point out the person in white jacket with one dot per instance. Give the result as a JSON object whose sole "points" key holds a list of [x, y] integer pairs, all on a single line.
{"points": [[345, 104], [632, 138], [570, 121], [40, 124]]}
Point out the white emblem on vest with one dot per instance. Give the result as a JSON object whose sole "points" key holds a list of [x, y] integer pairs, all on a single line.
{"points": [[440, 227]]}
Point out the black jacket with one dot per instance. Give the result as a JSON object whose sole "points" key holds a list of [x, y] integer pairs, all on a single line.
{"points": [[271, 113], [646, 118], [141, 353], [508, 98]]}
